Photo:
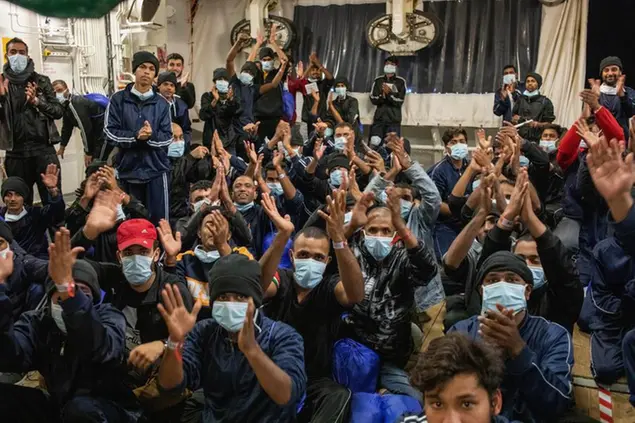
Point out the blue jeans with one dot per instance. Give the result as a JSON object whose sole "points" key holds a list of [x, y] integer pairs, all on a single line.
{"points": [[397, 381]]}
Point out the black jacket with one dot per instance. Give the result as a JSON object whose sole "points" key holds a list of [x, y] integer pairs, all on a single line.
{"points": [[539, 108], [219, 117], [26, 129], [185, 171], [88, 116], [324, 86], [187, 94], [269, 105], [388, 107]]}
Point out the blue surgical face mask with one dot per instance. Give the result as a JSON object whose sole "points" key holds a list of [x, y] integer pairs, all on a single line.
{"points": [[267, 65], [339, 143], [18, 62], [340, 91], [229, 314], [137, 269], [335, 178], [524, 161], [121, 215], [222, 86], [328, 132], [142, 96], [390, 69], [383, 197], [375, 141], [206, 256], [176, 149], [56, 314], [548, 146], [275, 187], [509, 79], [8, 217], [347, 217], [246, 78], [244, 207], [60, 97], [406, 207], [308, 272], [538, 274], [476, 184], [378, 246], [532, 93], [509, 295], [458, 151], [583, 144], [197, 206]]}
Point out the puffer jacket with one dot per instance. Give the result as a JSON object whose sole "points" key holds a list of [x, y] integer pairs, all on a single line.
{"points": [[537, 385], [382, 319], [87, 361], [25, 127]]}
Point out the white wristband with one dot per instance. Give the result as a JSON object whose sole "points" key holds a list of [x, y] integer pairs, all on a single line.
{"points": [[282, 176]]}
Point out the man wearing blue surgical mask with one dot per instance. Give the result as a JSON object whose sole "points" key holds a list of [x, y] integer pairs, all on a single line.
{"points": [[28, 110], [539, 355], [508, 95], [311, 299], [394, 263], [343, 107], [241, 344], [139, 122], [219, 108], [178, 109], [388, 94], [316, 76], [445, 174], [534, 106]]}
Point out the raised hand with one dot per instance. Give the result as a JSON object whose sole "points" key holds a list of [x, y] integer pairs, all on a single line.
{"points": [[621, 81], [299, 70], [485, 202], [358, 215], [62, 257], [484, 141], [51, 176], [171, 243], [107, 178], [178, 320], [316, 96], [221, 228], [582, 129], [591, 97], [250, 148], [320, 126], [103, 214], [273, 34], [498, 327], [480, 160], [318, 149], [282, 224], [518, 196], [595, 85], [375, 161], [6, 266], [277, 159], [246, 336], [612, 175], [313, 58], [92, 187], [336, 209]]}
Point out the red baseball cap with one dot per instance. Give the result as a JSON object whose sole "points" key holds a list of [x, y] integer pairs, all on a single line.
{"points": [[136, 232]]}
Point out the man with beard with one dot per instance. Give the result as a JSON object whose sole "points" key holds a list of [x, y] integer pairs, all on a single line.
{"points": [[614, 95], [28, 109], [185, 88]]}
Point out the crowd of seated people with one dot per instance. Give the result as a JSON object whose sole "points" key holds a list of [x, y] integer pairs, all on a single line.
{"points": [[227, 279]]}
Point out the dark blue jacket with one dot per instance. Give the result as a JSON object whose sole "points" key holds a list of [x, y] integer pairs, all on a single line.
{"points": [[87, 361], [610, 299], [622, 108], [180, 115], [246, 94], [30, 231], [125, 116], [27, 270], [232, 391], [445, 176], [504, 107], [537, 385]]}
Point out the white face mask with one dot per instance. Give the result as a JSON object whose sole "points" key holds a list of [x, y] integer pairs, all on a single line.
{"points": [[56, 314], [8, 217]]}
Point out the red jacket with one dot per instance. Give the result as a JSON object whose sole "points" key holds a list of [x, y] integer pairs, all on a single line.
{"points": [[570, 144]]}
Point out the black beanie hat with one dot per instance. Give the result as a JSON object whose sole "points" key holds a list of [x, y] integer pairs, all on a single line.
{"points": [[220, 73], [144, 57], [610, 61], [17, 185], [505, 261], [250, 67], [392, 59], [5, 232], [337, 160], [536, 76], [342, 80], [237, 274], [265, 52], [84, 272], [167, 77], [94, 166]]}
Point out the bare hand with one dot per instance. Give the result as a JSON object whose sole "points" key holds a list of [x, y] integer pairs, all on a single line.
{"points": [[50, 178], [320, 126], [144, 355], [6, 266], [518, 196], [250, 148], [221, 229], [299, 70], [621, 81], [31, 93], [92, 187], [103, 214], [499, 328], [591, 98], [336, 209], [375, 161], [612, 175], [582, 129], [62, 257], [595, 85], [178, 320], [318, 149], [358, 215], [484, 141], [282, 224], [199, 152], [171, 244], [385, 89], [246, 336], [60, 151], [88, 159]]}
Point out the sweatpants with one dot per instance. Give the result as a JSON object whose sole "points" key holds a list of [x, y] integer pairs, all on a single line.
{"points": [[30, 169], [19, 404], [326, 402], [154, 194]]}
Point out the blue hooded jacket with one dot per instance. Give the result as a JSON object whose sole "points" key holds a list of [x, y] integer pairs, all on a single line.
{"points": [[537, 385], [139, 160]]}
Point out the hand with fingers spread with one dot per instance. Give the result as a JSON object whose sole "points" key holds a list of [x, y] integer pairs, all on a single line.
{"points": [[179, 321], [220, 229], [498, 327], [584, 132], [358, 215], [484, 141], [62, 258], [518, 196], [318, 149], [107, 178], [91, 188], [282, 224], [251, 152], [103, 214], [334, 216], [247, 336], [394, 205], [171, 243], [621, 83], [320, 126], [375, 161], [595, 85], [50, 178], [591, 98]]}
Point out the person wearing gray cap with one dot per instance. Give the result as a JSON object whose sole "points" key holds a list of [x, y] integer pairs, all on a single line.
{"points": [[539, 354], [614, 95], [75, 342], [250, 367]]}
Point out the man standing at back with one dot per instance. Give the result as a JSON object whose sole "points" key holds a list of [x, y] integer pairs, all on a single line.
{"points": [[138, 122], [185, 89], [614, 95], [28, 109]]}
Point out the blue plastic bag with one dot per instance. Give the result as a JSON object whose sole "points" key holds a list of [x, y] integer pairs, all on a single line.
{"points": [[100, 99], [355, 366], [288, 105], [395, 406], [367, 408]]}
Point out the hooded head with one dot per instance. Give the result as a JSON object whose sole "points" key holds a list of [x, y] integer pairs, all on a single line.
{"points": [[533, 81]]}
